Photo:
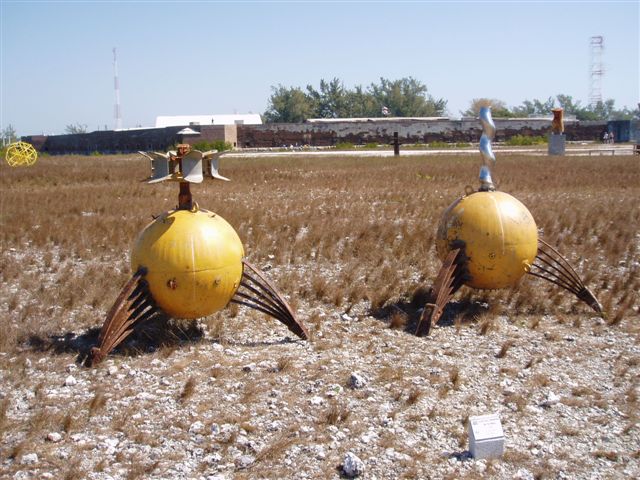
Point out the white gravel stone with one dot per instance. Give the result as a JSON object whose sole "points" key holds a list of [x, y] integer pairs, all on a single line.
{"points": [[244, 461], [357, 380], [196, 427], [112, 370], [352, 466], [54, 437], [29, 459], [552, 399], [523, 474], [70, 381]]}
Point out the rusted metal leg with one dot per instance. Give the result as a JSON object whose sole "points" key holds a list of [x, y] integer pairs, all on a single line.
{"points": [[134, 304], [451, 277], [553, 267], [257, 292]]}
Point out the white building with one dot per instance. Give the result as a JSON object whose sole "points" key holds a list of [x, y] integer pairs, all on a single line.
{"points": [[185, 120]]}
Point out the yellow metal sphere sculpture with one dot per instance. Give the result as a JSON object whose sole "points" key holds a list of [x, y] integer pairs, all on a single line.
{"points": [[499, 234], [189, 262], [21, 154], [489, 240], [193, 261]]}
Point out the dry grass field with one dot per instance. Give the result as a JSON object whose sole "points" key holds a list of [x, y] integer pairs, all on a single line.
{"points": [[350, 242]]}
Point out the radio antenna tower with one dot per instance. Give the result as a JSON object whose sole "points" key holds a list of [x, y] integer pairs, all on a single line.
{"points": [[116, 84], [596, 48]]}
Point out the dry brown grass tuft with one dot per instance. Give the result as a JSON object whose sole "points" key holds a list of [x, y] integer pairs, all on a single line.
{"points": [[335, 414], [276, 448], [398, 319], [414, 396], [487, 324], [606, 454], [4, 407], [284, 364], [68, 423], [455, 378], [141, 469], [16, 452], [75, 471], [533, 361], [97, 402], [569, 430], [504, 349], [188, 390], [518, 401]]}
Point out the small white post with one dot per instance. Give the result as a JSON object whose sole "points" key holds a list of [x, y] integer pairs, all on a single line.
{"points": [[486, 438]]}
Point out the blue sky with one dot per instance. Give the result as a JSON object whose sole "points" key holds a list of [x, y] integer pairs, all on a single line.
{"points": [[223, 57]]}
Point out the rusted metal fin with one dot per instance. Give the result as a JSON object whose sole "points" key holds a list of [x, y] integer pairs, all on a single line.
{"points": [[451, 277], [134, 304], [550, 265], [257, 292]]}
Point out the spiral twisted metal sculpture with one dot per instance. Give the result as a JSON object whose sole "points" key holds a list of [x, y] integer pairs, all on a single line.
{"points": [[488, 158], [489, 240]]}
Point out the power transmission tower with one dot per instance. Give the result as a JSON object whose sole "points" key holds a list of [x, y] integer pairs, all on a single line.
{"points": [[116, 84], [596, 70]]}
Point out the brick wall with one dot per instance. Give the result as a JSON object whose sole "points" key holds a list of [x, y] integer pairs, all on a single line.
{"points": [[317, 134], [409, 131]]}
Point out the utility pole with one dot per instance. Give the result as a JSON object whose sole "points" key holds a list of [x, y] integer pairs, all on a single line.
{"points": [[116, 84], [596, 70]]}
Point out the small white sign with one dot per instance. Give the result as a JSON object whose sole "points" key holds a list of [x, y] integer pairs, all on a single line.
{"points": [[486, 437], [486, 426]]}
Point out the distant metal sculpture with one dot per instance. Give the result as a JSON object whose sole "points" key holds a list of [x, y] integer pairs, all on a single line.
{"points": [[21, 154], [488, 158], [557, 139], [557, 124], [189, 262], [488, 240]]}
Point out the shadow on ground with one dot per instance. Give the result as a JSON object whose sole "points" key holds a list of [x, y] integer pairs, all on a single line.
{"points": [[405, 315], [157, 332]]}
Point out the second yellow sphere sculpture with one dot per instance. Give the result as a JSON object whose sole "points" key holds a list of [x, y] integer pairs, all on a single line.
{"points": [[193, 260], [499, 235]]}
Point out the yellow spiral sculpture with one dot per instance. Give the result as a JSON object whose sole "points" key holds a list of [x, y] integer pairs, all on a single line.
{"points": [[21, 154]]}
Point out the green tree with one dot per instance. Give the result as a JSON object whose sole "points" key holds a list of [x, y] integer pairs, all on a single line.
{"points": [[499, 108], [76, 128], [330, 101], [360, 103], [534, 107], [406, 97], [626, 114], [288, 105]]}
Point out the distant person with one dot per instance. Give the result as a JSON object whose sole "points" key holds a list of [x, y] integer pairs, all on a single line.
{"points": [[605, 137], [611, 139]]}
